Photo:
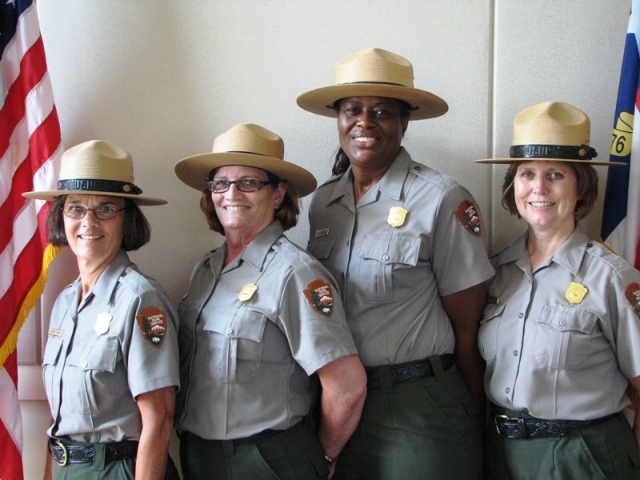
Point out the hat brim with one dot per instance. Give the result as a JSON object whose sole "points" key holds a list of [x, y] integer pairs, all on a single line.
{"points": [[194, 171], [51, 195], [321, 100], [499, 161]]}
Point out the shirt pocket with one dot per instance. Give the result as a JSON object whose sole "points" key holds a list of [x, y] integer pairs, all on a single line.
{"points": [[565, 338], [321, 248], [387, 268], [235, 344], [489, 329], [49, 363], [92, 383]]}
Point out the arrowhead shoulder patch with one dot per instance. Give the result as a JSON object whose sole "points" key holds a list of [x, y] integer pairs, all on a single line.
{"points": [[320, 297], [632, 294], [467, 215], [153, 325]]}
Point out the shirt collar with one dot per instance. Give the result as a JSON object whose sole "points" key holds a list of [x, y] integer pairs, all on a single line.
{"points": [[256, 252], [391, 183], [568, 256]]}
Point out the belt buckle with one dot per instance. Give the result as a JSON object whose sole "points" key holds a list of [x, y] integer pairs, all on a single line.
{"points": [[65, 453], [502, 417]]}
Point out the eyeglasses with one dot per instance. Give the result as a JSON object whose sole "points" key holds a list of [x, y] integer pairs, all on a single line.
{"points": [[244, 185], [105, 212]]}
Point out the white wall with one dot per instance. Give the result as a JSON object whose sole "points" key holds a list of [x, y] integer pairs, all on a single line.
{"points": [[163, 78]]}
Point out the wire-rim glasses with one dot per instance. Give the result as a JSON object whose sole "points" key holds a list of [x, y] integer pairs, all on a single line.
{"points": [[104, 212], [245, 185]]}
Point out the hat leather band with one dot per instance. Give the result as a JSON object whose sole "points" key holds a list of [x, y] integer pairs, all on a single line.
{"points": [[582, 152], [89, 185]]}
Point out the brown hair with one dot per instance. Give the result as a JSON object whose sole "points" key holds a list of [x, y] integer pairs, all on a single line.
{"points": [[286, 214], [341, 161], [136, 229], [587, 189]]}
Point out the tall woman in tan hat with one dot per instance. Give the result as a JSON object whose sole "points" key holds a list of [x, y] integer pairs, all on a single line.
{"points": [[110, 366], [561, 330], [261, 316], [404, 243]]}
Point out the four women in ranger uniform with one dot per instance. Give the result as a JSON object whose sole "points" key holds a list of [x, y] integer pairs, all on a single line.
{"points": [[271, 362]]}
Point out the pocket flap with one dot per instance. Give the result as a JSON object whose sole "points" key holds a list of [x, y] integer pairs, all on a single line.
{"points": [[568, 319], [232, 323], [398, 249]]}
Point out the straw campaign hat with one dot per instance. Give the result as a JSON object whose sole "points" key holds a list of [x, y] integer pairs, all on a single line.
{"points": [[96, 167], [248, 145], [373, 73], [553, 131]]}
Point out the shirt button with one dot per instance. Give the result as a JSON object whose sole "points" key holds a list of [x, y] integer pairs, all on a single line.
{"points": [[515, 353], [562, 323], [507, 390], [84, 364], [278, 243], [229, 331], [521, 315], [385, 257]]}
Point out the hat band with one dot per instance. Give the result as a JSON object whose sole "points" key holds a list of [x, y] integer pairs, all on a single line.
{"points": [[111, 186], [582, 152]]}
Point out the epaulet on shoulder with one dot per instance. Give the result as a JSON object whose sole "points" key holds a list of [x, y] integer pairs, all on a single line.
{"points": [[135, 281], [331, 179], [431, 175], [291, 252], [598, 250]]}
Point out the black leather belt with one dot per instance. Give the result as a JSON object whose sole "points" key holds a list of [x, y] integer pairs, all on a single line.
{"points": [[407, 372], [521, 428], [69, 454]]}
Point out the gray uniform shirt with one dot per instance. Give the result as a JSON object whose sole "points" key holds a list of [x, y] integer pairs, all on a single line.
{"points": [[553, 357], [119, 342], [250, 336], [392, 270]]}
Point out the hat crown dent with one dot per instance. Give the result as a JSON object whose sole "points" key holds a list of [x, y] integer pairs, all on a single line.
{"points": [[551, 123], [250, 138], [374, 65], [97, 160]]}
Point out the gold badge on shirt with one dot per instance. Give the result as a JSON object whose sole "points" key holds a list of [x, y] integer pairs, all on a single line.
{"points": [[575, 293], [102, 323], [397, 216], [247, 292]]}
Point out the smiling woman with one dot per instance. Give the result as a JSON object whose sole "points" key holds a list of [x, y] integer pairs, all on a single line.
{"points": [[111, 362], [561, 330], [260, 317]]}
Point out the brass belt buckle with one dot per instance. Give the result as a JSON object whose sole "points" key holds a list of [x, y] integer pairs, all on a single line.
{"points": [[65, 453]]}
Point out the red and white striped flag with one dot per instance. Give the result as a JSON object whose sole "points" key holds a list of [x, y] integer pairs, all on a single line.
{"points": [[30, 152]]}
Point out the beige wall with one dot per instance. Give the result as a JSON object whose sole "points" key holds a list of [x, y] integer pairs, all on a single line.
{"points": [[163, 78]]}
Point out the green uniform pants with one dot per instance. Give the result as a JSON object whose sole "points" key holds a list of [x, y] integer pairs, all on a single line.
{"points": [[293, 454], [606, 450], [424, 429], [123, 469]]}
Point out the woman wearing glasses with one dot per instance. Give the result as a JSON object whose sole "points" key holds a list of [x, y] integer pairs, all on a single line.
{"points": [[260, 318], [111, 362]]}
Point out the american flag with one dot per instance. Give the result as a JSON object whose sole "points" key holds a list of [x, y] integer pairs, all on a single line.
{"points": [[30, 152], [621, 215]]}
